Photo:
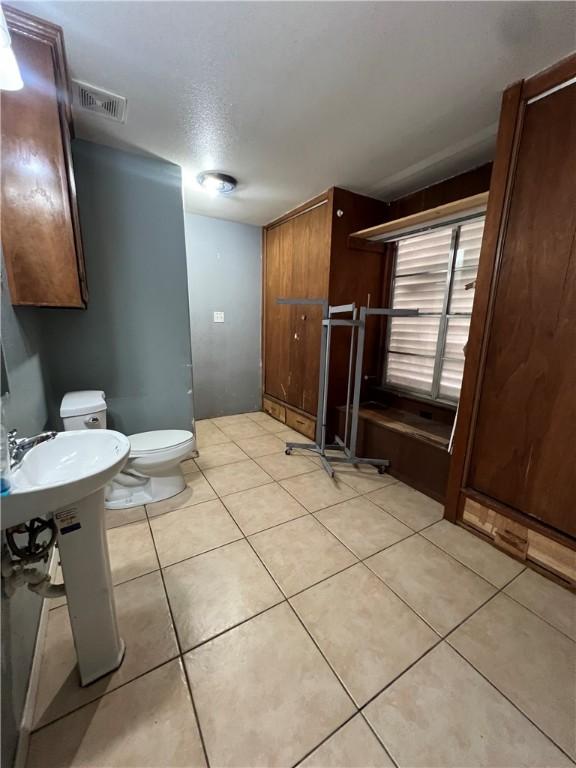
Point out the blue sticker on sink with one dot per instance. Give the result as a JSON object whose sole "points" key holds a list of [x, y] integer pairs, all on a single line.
{"points": [[70, 528]]}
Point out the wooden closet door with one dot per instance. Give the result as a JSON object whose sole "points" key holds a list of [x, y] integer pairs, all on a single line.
{"points": [[297, 266], [278, 317], [310, 275], [523, 447]]}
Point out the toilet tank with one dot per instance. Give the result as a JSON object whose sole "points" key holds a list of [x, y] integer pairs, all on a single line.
{"points": [[84, 410]]}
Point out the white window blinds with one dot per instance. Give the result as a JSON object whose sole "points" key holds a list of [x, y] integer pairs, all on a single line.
{"points": [[425, 353]]}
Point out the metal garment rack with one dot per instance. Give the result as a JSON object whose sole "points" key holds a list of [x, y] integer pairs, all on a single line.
{"points": [[357, 324]]}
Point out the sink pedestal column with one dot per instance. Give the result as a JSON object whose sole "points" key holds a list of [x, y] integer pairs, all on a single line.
{"points": [[85, 562]]}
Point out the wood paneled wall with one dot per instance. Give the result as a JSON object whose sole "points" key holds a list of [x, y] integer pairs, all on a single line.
{"points": [[514, 446]]}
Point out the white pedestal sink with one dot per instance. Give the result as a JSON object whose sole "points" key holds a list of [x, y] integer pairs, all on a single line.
{"points": [[65, 478]]}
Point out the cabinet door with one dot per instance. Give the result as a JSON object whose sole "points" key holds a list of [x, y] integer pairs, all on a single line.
{"points": [[310, 274], [277, 317], [40, 238], [523, 446], [297, 257]]}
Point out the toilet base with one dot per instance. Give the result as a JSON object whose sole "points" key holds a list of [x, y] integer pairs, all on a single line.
{"points": [[135, 489]]}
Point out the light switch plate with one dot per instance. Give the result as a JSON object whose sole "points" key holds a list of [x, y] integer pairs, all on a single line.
{"points": [[218, 317]]}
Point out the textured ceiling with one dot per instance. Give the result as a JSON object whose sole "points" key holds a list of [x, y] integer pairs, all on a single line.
{"points": [[292, 98]]}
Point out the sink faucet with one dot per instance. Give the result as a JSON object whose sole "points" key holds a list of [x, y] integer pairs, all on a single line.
{"points": [[19, 447]]}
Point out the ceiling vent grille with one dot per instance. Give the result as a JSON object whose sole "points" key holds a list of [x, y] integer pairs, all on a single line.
{"points": [[91, 99]]}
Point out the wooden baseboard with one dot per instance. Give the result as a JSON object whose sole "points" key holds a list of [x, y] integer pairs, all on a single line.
{"points": [[522, 542]]}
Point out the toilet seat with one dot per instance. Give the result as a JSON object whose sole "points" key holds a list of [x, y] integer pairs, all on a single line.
{"points": [[159, 449], [158, 440]]}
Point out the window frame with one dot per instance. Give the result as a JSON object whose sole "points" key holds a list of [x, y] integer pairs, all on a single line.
{"points": [[434, 396]]}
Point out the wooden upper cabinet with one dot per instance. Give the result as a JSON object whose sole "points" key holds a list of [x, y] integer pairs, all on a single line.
{"points": [[41, 239]]}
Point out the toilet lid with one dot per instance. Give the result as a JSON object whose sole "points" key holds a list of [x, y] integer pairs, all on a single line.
{"points": [[158, 440]]}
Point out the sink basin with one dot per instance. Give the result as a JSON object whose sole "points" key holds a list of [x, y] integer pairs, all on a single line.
{"points": [[61, 471]]}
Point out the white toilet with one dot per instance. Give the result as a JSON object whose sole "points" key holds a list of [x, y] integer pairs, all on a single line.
{"points": [[153, 470]]}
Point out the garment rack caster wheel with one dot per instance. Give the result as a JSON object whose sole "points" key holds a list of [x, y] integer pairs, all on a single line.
{"points": [[288, 451]]}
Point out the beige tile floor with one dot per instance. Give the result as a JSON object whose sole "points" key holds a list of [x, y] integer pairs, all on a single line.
{"points": [[274, 617]]}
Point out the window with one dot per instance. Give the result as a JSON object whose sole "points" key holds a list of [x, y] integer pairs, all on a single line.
{"points": [[425, 354]]}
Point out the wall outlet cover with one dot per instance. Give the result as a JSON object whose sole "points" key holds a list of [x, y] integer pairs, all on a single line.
{"points": [[218, 317]]}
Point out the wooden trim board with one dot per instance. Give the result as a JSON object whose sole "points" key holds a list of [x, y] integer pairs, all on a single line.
{"points": [[522, 542], [483, 295], [433, 215], [322, 199]]}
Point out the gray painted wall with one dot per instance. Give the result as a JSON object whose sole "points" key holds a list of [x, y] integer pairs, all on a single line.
{"points": [[25, 403], [224, 274], [133, 341], [24, 409]]}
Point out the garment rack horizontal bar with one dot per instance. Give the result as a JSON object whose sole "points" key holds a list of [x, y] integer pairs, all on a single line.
{"points": [[338, 309]]}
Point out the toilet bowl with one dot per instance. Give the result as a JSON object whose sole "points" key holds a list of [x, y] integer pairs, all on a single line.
{"points": [[153, 471]]}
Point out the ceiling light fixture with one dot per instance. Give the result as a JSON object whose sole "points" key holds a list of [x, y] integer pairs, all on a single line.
{"points": [[217, 183]]}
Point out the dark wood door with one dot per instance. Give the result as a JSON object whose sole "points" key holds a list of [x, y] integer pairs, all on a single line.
{"points": [[310, 273], [277, 317], [523, 450], [297, 266], [40, 232]]}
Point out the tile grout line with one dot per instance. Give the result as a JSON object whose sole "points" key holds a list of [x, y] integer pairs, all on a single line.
{"points": [[178, 643], [445, 639], [179, 647], [334, 732], [361, 709], [120, 584], [234, 626], [491, 584], [512, 702], [379, 739], [359, 560], [180, 654], [287, 599], [411, 608], [105, 694], [338, 678], [309, 635], [538, 616], [414, 533], [442, 638], [465, 565], [452, 557]]}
